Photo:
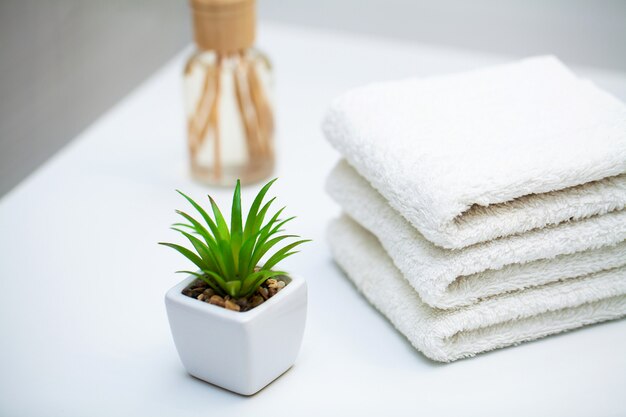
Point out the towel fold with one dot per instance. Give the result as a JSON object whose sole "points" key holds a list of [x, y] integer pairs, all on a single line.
{"points": [[472, 157], [447, 335], [447, 278]]}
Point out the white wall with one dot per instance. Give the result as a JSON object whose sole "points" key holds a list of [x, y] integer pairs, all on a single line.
{"points": [[64, 62], [588, 32]]}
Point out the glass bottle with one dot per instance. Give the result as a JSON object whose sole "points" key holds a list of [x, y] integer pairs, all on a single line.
{"points": [[228, 86]]}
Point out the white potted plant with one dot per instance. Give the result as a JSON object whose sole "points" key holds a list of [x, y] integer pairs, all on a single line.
{"points": [[236, 322]]}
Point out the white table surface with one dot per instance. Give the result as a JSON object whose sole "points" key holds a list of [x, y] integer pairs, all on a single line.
{"points": [[83, 330]]}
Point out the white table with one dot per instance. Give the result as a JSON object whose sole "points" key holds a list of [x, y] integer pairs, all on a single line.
{"points": [[83, 329]]}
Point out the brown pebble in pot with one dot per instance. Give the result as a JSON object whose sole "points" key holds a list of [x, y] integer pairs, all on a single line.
{"points": [[256, 300], [231, 305], [264, 292], [217, 300]]}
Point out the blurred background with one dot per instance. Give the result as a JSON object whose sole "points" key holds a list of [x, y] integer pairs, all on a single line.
{"points": [[65, 62]]}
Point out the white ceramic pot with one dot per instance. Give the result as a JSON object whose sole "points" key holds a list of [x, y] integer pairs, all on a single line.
{"points": [[242, 352]]}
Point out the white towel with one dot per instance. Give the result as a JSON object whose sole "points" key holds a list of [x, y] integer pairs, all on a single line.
{"points": [[471, 157], [447, 335], [447, 278]]}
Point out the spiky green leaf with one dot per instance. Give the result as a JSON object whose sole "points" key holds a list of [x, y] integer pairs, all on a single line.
{"points": [[186, 253], [282, 254], [210, 241], [197, 226], [202, 212], [261, 250], [236, 227], [205, 252], [254, 280], [222, 226], [211, 283], [254, 209]]}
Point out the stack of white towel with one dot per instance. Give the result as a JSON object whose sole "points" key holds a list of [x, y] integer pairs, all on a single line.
{"points": [[482, 209]]}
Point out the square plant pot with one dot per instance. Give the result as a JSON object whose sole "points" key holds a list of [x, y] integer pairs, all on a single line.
{"points": [[240, 351]]}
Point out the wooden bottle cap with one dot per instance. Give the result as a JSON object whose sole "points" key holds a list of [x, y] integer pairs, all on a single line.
{"points": [[224, 25]]}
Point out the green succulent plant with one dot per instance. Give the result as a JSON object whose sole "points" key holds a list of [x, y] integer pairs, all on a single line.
{"points": [[229, 260]]}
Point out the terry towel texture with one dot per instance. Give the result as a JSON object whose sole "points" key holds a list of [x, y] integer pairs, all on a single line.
{"points": [[447, 335], [471, 157], [451, 278]]}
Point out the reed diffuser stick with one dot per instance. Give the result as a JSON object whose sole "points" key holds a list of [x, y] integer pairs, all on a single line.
{"points": [[217, 161], [246, 108], [263, 111], [199, 118]]}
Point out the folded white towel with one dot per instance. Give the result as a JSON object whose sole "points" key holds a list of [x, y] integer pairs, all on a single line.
{"points": [[447, 278], [471, 157], [447, 335]]}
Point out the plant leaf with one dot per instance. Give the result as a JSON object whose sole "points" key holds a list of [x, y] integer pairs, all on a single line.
{"points": [[185, 225], [254, 208], [214, 247], [245, 255], [202, 212], [186, 253], [282, 254], [265, 230], [222, 226], [265, 247], [258, 221], [229, 263], [236, 229], [219, 281], [264, 234], [281, 224], [253, 281], [204, 278], [203, 250], [233, 288], [197, 226], [196, 274]]}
